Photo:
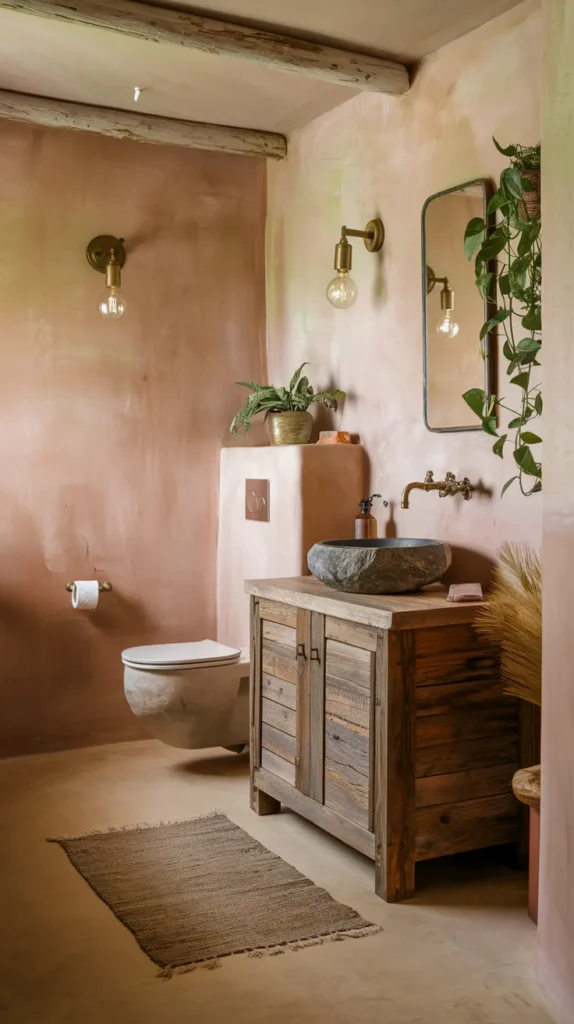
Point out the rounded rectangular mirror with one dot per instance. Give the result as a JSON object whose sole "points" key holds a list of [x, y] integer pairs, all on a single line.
{"points": [[454, 358]]}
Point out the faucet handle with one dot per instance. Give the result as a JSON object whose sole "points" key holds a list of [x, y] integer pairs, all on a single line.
{"points": [[450, 477], [429, 478]]}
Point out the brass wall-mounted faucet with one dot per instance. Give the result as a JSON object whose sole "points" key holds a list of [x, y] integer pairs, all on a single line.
{"points": [[446, 488]]}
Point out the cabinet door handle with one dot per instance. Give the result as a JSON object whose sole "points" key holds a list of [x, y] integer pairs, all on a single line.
{"points": [[301, 651], [314, 654]]}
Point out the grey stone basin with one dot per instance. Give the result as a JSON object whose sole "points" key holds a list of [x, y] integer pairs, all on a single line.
{"points": [[385, 566]]}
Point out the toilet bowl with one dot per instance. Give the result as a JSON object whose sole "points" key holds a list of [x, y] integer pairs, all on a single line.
{"points": [[191, 694]]}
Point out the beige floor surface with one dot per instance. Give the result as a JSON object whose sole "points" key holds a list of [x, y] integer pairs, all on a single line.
{"points": [[461, 952]]}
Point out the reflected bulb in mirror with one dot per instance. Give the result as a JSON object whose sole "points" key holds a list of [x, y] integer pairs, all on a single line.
{"points": [[114, 306], [447, 327], [342, 290]]}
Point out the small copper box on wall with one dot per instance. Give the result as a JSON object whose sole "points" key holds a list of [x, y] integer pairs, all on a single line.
{"points": [[257, 500]]}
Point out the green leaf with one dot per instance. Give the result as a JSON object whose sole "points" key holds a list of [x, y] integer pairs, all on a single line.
{"points": [[473, 236], [250, 384], [295, 377], [509, 151], [491, 248], [483, 282], [510, 179], [499, 317], [475, 400], [507, 485], [489, 425], [504, 284], [522, 380], [528, 237], [529, 438], [537, 487], [498, 446], [538, 404], [525, 459], [518, 422], [533, 320], [529, 345], [497, 201]]}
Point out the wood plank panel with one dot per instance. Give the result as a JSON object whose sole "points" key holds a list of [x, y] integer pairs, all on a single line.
{"points": [[278, 742], [345, 704], [260, 802], [350, 633], [437, 639], [434, 729], [279, 690], [317, 707], [453, 828], [278, 766], [278, 716], [443, 699], [337, 824], [347, 744], [464, 755], [347, 792], [303, 700], [273, 611], [279, 661], [279, 634], [350, 663], [493, 780], [456, 666]]}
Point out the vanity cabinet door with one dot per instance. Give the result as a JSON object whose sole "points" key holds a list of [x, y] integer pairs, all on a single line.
{"points": [[278, 689], [349, 715]]}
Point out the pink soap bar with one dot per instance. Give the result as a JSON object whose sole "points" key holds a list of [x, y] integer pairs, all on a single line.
{"points": [[465, 592]]}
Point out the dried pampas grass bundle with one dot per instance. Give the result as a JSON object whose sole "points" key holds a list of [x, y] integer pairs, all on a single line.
{"points": [[513, 620]]}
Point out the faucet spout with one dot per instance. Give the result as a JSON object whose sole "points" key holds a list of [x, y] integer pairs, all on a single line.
{"points": [[446, 488]]}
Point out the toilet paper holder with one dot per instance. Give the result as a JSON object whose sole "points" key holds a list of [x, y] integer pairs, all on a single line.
{"points": [[101, 586]]}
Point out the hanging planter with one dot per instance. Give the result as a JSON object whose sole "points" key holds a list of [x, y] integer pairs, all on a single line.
{"points": [[508, 262]]}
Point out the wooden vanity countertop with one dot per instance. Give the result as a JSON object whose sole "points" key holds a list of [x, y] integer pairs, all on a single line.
{"points": [[420, 609]]}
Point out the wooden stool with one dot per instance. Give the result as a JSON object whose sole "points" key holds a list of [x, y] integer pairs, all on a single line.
{"points": [[526, 786]]}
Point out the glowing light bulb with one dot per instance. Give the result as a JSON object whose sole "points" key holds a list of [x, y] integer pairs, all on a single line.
{"points": [[447, 327], [342, 290], [114, 306]]}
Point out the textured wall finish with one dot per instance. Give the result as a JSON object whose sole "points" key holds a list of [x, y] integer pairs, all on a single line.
{"points": [[110, 432], [556, 915], [382, 156]]}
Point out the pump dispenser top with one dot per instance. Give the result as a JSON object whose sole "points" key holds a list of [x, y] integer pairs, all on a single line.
{"points": [[365, 523]]}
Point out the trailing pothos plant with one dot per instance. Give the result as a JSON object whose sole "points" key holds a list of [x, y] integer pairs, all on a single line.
{"points": [[297, 397], [508, 262]]}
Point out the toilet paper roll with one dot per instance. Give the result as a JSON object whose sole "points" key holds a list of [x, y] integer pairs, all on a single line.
{"points": [[86, 594]]}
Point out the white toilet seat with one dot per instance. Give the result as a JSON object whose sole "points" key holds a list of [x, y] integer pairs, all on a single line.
{"points": [[170, 657]]}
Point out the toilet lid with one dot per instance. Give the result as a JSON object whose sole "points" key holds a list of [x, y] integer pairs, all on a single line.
{"points": [[201, 652]]}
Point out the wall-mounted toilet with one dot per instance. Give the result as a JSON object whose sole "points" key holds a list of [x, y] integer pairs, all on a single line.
{"points": [[190, 695]]}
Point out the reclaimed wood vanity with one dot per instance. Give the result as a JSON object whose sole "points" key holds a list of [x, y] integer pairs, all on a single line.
{"points": [[381, 719]]}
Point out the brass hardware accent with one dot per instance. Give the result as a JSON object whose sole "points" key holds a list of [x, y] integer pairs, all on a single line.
{"points": [[315, 654], [446, 488], [446, 294], [301, 651], [297, 762], [101, 586], [105, 249], [373, 236]]}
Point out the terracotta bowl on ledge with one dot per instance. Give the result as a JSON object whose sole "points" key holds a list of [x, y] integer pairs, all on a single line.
{"points": [[385, 566]]}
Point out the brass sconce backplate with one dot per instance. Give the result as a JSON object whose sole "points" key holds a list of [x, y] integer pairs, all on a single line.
{"points": [[99, 251], [376, 232]]}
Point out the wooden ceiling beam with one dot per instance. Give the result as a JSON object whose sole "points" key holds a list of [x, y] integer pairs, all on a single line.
{"points": [[214, 36], [125, 124]]}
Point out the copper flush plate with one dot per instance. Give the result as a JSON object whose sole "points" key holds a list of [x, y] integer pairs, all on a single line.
{"points": [[257, 500]]}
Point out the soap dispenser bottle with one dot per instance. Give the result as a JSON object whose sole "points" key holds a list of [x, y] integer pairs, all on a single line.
{"points": [[365, 523]]}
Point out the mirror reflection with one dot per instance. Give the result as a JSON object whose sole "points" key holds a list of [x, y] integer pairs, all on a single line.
{"points": [[455, 359]]}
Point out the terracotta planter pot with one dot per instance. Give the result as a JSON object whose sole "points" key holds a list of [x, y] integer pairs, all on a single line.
{"points": [[530, 202], [289, 427]]}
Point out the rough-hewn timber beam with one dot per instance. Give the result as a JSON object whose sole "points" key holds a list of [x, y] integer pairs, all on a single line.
{"points": [[124, 124], [210, 35]]}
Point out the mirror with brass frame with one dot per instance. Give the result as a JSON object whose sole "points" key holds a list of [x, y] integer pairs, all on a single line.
{"points": [[454, 357]]}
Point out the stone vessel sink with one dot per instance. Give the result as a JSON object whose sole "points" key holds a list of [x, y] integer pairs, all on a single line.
{"points": [[386, 566]]}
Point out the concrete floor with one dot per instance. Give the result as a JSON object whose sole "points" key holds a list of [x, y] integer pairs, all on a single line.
{"points": [[462, 952]]}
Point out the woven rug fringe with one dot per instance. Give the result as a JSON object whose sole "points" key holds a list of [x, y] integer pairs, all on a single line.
{"points": [[130, 828]]}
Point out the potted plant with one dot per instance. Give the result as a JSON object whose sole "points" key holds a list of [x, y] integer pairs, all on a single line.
{"points": [[286, 409], [508, 262]]}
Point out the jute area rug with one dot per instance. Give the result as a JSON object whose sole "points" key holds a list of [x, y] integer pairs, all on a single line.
{"points": [[195, 891]]}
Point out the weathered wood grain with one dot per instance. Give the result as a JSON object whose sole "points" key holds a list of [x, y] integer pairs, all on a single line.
{"points": [[347, 792], [352, 664], [453, 828], [303, 700], [460, 725], [279, 634], [261, 803], [494, 780], [211, 36], [350, 633], [347, 703], [278, 716], [279, 742], [394, 766], [284, 614], [450, 697], [279, 690], [316, 666], [456, 666], [271, 762], [140, 127], [337, 824], [464, 755], [279, 661]]}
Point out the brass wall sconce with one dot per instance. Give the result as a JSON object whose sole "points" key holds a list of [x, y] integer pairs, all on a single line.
{"points": [[107, 255], [447, 326], [342, 290]]}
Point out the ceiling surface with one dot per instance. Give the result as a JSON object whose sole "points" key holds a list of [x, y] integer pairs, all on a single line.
{"points": [[74, 62]]}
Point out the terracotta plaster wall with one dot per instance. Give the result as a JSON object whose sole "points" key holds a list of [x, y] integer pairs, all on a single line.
{"points": [[556, 913], [376, 155], [110, 432]]}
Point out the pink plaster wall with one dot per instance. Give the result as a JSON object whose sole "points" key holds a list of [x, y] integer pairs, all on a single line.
{"points": [[556, 905], [110, 432], [379, 155]]}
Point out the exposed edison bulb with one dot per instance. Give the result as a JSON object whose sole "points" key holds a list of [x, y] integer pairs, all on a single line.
{"points": [[447, 327], [342, 290], [113, 306]]}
